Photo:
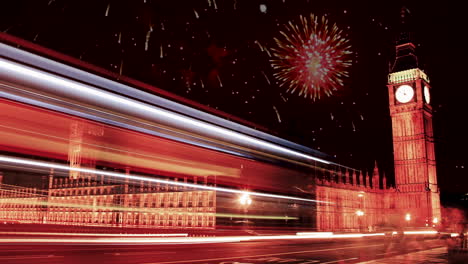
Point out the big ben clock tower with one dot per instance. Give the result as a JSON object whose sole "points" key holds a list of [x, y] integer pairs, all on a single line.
{"points": [[413, 141]]}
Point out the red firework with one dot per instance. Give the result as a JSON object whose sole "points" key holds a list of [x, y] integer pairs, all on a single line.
{"points": [[311, 57]]}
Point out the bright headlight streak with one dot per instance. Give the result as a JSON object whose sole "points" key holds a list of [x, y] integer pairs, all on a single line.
{"points": [[420, 232], [95, 234], [22, 70], [141, 178], [177, 240]]}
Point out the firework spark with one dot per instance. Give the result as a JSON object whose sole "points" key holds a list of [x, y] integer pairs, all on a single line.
{"points": [[311, 57]]}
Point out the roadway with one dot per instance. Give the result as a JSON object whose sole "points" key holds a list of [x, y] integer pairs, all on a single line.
{"points": [[304, 251]]}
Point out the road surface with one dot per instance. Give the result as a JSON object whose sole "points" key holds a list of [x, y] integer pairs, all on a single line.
{"points": [[325, 251]]}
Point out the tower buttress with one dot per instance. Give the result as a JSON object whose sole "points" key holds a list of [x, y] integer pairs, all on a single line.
{"points": [[375, 176], [361, 178], [384, 182], [367, 184]]}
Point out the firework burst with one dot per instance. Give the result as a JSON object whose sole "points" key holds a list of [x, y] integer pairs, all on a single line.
{"points": [[311, 57]]}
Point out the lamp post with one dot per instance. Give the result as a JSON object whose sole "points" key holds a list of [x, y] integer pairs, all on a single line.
{"points": [[359, 214]]}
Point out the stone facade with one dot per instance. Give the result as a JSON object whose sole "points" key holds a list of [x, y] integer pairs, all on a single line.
{"points": [[96, 202]]}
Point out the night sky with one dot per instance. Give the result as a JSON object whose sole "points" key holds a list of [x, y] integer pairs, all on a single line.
{"points": [[218, 53]]}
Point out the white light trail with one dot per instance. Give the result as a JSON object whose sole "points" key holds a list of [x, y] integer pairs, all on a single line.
{"points": [[21, 70], [314, 233], [95, 234], [123, 240], [420, 232], [177, 240], [142, 178]]}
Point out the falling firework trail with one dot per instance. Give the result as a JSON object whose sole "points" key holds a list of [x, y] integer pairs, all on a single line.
{"points": [[196, 14], [219, 80], [284, 99], [107, 10], [277, 114], [311, 58], [161, 52], [266, 78], [148, 35], [259, 45]]}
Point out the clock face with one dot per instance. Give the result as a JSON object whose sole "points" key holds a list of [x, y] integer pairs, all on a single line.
{"points": [[427, 95], [404, 93]]}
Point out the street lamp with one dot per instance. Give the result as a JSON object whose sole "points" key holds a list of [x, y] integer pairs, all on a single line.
{"points": [[407, 218], [245, 201]]}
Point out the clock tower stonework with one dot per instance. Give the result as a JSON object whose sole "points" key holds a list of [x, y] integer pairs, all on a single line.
{"points": [[413, 141]]}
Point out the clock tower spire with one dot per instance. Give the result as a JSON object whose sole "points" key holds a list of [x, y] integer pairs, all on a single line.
{"points": [[413, 140]]}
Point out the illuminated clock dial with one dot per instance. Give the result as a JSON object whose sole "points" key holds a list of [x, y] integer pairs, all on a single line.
{"points": [[404, 93], [427, 95]]}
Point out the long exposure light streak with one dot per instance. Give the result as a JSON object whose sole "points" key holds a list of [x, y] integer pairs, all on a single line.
{"points": [[179, 240], [141, 178], [191, 240], [87, 91], [38, 62], [429, 232], [95, 234]]}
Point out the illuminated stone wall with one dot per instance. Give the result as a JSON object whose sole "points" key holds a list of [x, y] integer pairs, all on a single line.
{"points": [[93, 204], [354, 202]]}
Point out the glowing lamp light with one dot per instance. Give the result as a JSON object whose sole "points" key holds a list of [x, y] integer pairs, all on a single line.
{"points": [[359, 213], [435, 220], [408, 217], [245, 199]]}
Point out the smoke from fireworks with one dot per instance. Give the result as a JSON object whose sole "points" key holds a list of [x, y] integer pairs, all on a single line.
{"points": [[311, 57]]}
